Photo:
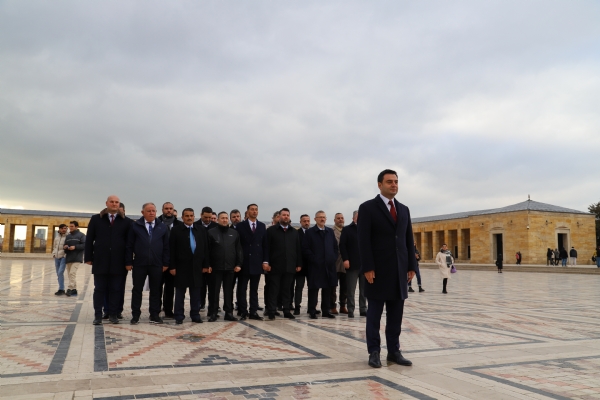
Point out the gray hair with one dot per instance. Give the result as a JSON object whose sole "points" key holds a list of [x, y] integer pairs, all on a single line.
{"points": [[354, 213], [146, 205], [319, 212]]}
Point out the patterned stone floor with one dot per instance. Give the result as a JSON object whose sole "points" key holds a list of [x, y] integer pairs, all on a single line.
{"points": [[509, 336]]}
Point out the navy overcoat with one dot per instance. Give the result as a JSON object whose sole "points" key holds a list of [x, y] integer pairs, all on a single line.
{"points": [[254, 245], [387, 248], [320, 250]]}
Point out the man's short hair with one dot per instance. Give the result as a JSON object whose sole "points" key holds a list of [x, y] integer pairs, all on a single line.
{"points": [[385, 172], [222, 212], [167, 202], [276, 213], [121, 205], [214, 213], [174, 210], [187, 209], [284, 209], [304, 215], [354, 213], [319, 212], [336, 214], [235, 211], [62, 226], [74, 223], [250, 205], [147, 204], [207, 210]]}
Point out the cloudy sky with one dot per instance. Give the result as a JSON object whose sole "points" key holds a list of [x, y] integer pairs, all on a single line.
{"points": [[299, 104]]}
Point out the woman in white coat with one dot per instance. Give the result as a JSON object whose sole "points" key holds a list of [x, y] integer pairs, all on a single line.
{"points": [[444, 260]]}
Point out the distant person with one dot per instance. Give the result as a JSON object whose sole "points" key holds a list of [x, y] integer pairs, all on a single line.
{"points": [[417, 272], [556, 256], [320, 249], [168, 280], [598, 257], [573, 255], [299, 281], [226, 258], [564, 256], [214, 218], [338, 226], [105, 251], [188, 258], [175, 213], [499, 260], [549, 256], [58, 253], [207, 223], [147, 256], [275, 219], [351, 258], [235, 217], [518, 257], [74, 249], [444, 261]]}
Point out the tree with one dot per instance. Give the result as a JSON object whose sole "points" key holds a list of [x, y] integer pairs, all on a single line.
{"points": [[595, 209]]}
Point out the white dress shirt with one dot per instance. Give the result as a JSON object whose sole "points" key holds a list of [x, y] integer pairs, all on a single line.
{"points": [[146, 225], [386, 201]]}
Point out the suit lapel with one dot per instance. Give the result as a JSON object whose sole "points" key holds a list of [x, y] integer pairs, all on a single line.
{"points": [[385, 210], [399, 216]]}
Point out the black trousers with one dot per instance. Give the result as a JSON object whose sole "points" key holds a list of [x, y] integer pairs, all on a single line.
{"points": [[218, 279], [154, 274], [313, 296], [121, 296], [180, 303], [296, 290], [341, 276], [205, 289], [168, 292], [394, 311], [279, 284], [242, 290], [109, 287]]}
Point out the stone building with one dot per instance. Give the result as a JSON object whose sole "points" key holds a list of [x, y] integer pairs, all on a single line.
{"points": [[529, 227]]}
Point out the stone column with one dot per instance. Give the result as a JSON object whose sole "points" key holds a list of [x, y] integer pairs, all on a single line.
{"points": [[29, 239], [435, 243], [424, 246], [8, 237]]}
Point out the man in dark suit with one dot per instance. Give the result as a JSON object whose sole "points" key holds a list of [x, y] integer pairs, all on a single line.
{"points": [[206, 222], [283, 259], [105, 252], [320, 249], [168, 289], [253, 238], [189, 258], [386, 247], [147, 254], [299, 281], [351, 257]]}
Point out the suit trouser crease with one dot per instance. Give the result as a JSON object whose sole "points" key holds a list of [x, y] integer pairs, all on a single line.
{"points": [[313, 295], [297, 287], [279, 285], [154, 274], [241, 294], [394, 311], [180, 302], [341, 277], [108, 289]]}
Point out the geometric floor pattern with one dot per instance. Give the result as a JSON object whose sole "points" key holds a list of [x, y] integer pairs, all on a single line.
{"points": [[493, 336]]}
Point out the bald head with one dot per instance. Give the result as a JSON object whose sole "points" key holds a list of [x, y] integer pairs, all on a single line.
{"points": [[112, 204]]}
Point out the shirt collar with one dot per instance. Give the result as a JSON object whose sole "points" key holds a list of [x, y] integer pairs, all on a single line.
{"points": [[284, 227], [385, 199], [189, 226]]}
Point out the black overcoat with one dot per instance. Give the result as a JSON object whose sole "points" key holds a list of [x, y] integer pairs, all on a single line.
{"points": [[105, 244], [321, 251], [387, 248], [349, 246], [254, 244], [188, 265], [284, 252], [304, 261]]}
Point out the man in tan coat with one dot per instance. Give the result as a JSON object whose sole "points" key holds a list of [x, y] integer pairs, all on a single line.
{"points": [[339, 267], [58, 253]]}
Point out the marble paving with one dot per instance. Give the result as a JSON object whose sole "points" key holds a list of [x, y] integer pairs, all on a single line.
{"points": [[509, 336]]}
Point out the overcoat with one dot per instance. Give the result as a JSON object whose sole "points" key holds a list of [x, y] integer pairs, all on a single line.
{"points": [[105, 243], [284, 252], [188, 265], [321, 251], [147, 250], [440, 260], [302, 272], [254, 245], [386, 247], [349, 246]]}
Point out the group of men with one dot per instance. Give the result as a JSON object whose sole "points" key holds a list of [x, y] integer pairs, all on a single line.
{"points": [[211, 254]]}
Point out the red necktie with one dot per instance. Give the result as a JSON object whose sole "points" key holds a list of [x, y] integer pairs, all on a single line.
{"points": [[393, 211], [284, 229], [112, 220]]}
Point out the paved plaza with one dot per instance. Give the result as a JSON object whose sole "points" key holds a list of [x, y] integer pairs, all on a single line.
{"points": [[494, 336]]}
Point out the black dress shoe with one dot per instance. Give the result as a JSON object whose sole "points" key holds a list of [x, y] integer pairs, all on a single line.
{"points": [[212, 318], [410, 289], [113, 319], [169, 315], [256, 317], [277, 314], [230, 317], [197, 320], [243, 316], [328, 315], [398, 359], [350, 315], [74, 292], [60, 293], [312, 315], [271, 317], [135, 321], [120, 316], [374, 360], [105, 316], [97, 321], [421, 289], [68, 292], [288, 315], [363, 313], [297, 311], [155, 319], [179, 321]]}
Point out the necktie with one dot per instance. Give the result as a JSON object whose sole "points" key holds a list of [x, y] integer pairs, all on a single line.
{"points": [[150, 229], [393, 211], [112, 219], [192, 241], [284, 229], [253, 227]]}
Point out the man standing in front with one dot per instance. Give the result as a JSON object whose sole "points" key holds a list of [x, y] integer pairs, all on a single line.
{"points": [[299, 281], [105, 251], [253, 238], [320, 249], [349, 252], [206, 222], [148, 241], [338, 221], [387, 255], [283, 259], [74, 248], [168, 289], [58, 253]]}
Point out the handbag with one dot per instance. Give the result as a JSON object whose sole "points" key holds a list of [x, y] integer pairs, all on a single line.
{"points": [[453, 269]]}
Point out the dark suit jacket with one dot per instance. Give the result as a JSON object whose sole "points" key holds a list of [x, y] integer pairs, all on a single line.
{"points": [[284, 252], [321, 252], [209, 227], [254, 245], [387, 248], [105, 244], [148, 251], [349, 246], [188, 265], [301, 235]]}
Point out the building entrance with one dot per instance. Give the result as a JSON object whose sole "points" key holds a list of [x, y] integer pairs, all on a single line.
{"points": [[498, 246]]}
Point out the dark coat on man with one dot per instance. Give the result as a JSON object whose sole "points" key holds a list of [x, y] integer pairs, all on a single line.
{"points": [[321, 251], [224, 248], [386, 247], [176, 222], [105, 243], [254, 245], [77, 239], [301, 235], [188, 265], [572, 252], [284, 252], [349, 246], [208, 227], [148, 250]]}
